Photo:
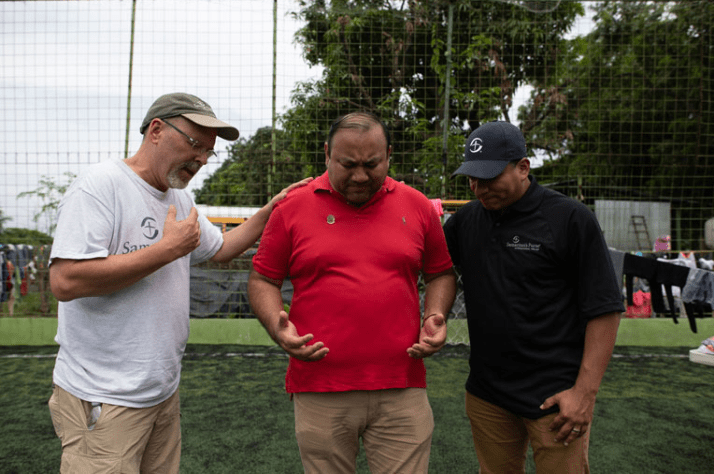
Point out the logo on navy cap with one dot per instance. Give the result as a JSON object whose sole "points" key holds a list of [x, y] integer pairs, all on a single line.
{"points": [[476, 146]]}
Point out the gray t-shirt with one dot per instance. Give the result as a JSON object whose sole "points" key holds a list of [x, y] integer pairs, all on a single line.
{"points": [[124, 348]]}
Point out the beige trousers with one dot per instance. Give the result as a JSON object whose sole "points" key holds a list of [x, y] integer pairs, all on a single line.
{"points": [[122, 440], [395, 425]]}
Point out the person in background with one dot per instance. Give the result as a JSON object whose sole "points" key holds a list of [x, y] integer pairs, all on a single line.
{"points": [[7, 281], [353, 243], [543, 307], [127, 233]]}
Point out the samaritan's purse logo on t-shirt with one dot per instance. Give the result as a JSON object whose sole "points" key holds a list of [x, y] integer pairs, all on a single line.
{"points": [[516, 244], [151, 230]]}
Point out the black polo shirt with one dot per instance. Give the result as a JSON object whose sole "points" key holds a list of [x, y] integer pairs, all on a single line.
{"points": [[533, 275]]}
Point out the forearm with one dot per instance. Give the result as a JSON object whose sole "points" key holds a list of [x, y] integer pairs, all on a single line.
{"points": [[71, 279], [600, 336], [266, 301], [238, 240], [245, 235], [439, 293]]}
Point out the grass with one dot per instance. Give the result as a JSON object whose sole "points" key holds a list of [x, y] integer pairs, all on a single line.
{"points": [[654, 413]]}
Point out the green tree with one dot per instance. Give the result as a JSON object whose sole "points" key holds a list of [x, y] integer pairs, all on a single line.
{"points": [[630, 109], [242, 180], [392, 58], [3, 220], [395, 59], [50, 193], [15, 235]]}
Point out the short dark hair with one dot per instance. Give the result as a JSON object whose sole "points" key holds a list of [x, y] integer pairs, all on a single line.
{"points": [[361, 120]]}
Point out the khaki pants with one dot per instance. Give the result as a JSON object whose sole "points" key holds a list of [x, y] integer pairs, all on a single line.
{"points": [[395, 426], [123, 440], [501, 441]]}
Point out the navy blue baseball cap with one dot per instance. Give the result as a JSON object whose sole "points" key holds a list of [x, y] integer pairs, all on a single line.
{"points": [[490, 148]]}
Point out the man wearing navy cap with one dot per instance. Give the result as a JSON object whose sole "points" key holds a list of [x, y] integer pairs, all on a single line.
{"points": [[127, 234], [542, 304]]}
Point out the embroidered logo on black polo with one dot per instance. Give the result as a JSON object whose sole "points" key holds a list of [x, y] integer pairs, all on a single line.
{"points": [[516, 244]]}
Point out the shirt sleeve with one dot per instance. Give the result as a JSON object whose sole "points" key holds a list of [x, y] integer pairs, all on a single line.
{"points": [[436, 254], [211, 241], [599, 292], [84, 227], [273, 256]]}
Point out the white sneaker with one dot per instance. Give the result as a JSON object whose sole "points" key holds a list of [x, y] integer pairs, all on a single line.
{"points": [[704, 354]]}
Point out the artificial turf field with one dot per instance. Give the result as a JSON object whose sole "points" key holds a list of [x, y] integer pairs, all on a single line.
{"points": [[655, 412]]}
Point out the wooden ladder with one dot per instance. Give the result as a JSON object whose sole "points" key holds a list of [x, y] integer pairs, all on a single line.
{"points": [[639, 223]]}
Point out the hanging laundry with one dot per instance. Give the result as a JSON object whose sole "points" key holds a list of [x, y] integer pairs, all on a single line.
{"points": [[672, 278], [646, 268], [618, 259], [641, 307], [674, 273], [699, 286], [5, 278]]}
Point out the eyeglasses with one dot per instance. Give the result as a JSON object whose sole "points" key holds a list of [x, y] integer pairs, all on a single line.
{"points": [[194, 143]]}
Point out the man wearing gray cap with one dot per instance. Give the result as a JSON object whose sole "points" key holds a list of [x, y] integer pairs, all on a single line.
{"points": [[127, 233], [543, 308]]}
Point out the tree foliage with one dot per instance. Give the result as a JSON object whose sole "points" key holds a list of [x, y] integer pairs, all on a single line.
{"points": [[3, 220], [243, 179], [625, 111], [390, 58], [50, 193], [630, 107], [15, 235]]}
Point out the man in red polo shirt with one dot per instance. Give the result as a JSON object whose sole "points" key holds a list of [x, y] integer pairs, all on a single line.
{"points": [[354, 243]]}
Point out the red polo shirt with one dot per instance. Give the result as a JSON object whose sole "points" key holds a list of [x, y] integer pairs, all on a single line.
{"points": [[354, 271]]}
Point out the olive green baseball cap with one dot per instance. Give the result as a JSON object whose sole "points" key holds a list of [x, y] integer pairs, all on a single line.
{"points": [[191, 108]]}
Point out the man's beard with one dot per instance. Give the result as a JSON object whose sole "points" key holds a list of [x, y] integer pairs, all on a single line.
{"points": [[174, 177]]}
